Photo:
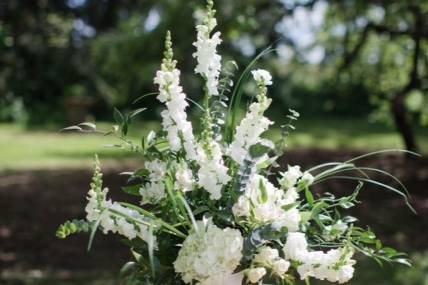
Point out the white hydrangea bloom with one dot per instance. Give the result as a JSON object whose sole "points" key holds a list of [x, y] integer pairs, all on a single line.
{"points": [[335, 265], [184, 178], [209, 61], [266, 206], [249, 130], [254, 275], [262, 77], [225, 279], [209, 253], [154, 191], [212, 174]]}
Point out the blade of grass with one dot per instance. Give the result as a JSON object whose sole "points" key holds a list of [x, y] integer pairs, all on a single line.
{"points": [[237, 95]]}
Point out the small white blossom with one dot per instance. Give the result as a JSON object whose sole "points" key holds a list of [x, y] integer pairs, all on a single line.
{"points": [[306, 180], [280, 267], [154, 191], [265, 205], [184, 178], [212, 174], [262, 77], [290, 177], [266, 256], [254, 275]]}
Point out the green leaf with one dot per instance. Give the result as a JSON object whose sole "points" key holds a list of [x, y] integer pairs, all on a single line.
{"points": [[94, 227], [309, 196], [258, 150], [71, 128], [264, 195], [88, 125], [132, 190], [136, 112], [118, 117], [403, 261]]}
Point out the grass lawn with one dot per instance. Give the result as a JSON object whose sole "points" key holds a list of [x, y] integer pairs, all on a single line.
{"points": [[30, 149]]}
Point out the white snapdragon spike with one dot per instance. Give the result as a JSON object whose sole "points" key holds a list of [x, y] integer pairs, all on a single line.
{"points": [[111, 216], [209, 61], [154, 191], [174, 119], [262, 77], [335, 265], [209, 253], [263, 202], [212, 174], [251, 127]]}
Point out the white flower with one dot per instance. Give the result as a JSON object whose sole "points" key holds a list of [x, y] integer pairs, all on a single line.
{"points": [[249, 130], [106, 212], [209, 252], [157, 170], [212, 174], [280, 267], [174, 118], [266, 256], [154, 191], [335, 230], [184, 178], [241, 207], [262, 77], [254, 275], [306, 180], [290, 177], [263, 202], [209, 61], [225, 279], [296, 246], [335, 265]]}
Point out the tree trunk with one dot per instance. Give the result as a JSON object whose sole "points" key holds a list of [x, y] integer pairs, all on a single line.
{"points": [[402, 123]]}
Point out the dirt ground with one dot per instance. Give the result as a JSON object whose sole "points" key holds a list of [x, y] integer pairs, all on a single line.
{"points": [[34, 203]]}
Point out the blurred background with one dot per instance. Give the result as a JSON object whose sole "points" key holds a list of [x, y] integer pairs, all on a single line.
{"points": [[356, 70]]}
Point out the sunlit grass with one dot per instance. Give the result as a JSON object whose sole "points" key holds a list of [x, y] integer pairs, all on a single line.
{"points": [[29, 149]]}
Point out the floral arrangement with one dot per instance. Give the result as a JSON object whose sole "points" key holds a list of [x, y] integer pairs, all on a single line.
{"points": [[212, 210]]}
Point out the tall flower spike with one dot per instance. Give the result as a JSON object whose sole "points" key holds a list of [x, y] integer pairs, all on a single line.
{"points": [[174, 119], [254, 123], [209, 61]]}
